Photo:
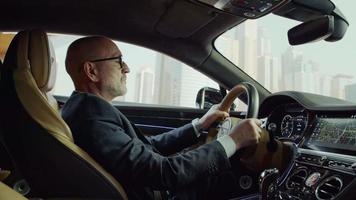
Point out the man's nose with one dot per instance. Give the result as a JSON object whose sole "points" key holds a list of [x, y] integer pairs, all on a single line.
{"points": [[125, 68]]}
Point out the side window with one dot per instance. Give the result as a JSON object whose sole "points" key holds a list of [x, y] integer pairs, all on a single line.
{"points": [[154, 78], [64, 85]]}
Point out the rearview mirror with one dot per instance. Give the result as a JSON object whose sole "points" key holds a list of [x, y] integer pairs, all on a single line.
{"points": [[207, 97], [314, 30]]}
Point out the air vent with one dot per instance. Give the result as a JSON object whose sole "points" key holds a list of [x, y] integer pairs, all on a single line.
{"points": [[297, 179], [329, 188]]}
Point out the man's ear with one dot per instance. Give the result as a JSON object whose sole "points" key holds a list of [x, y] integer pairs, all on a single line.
{"points": [[91, 72]]}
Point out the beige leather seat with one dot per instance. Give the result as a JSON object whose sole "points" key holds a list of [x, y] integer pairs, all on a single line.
{"points": [[7, 193], [39, 139]]}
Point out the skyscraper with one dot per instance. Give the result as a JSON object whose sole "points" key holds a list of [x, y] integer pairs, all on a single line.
{"points": [[350, 92], [192, 82], [268, 72], [292, 62], [338, 83], [145, 83], [167, 82], [325, 85], [246, 34], [229, 47], [264, 46], [307, 77], [267, 66]]}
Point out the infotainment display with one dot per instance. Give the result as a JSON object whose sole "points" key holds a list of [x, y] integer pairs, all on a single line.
{"points": [[335, 133]]}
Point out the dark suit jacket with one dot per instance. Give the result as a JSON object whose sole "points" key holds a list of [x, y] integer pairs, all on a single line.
{"points": [[140, 163]]}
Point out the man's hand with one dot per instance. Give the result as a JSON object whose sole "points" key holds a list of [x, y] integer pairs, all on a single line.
{"points": [[211, 116], [246, 133]]}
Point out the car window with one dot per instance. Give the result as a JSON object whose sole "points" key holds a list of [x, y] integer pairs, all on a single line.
{"points": [[154, 78]]}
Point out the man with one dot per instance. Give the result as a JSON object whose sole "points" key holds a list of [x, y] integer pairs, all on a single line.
{"points": [[142, 164]]}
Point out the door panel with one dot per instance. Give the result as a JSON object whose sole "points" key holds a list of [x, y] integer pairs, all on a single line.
{"points": [[156, 120], [153, 119]]}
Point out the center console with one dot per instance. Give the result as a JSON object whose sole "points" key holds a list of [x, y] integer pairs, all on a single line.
{"points": [[325, 165], [316, 175]]}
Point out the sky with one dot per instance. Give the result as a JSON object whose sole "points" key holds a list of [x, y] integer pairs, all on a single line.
{"points": [[333, 57]]}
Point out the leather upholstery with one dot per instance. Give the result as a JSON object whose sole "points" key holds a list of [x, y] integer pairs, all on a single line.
{"points": [[47, 140], [36, 53], [8, 193]]}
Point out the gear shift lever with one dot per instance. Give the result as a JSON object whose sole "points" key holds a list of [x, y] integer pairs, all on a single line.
{"points": [[267, 177]]}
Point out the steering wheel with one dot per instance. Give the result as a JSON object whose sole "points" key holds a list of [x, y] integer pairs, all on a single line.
{"points": [[257, 157], [252, 98], [252, 109]]}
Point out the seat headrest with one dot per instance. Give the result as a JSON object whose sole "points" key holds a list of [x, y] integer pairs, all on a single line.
{"points": [[31, 49]]}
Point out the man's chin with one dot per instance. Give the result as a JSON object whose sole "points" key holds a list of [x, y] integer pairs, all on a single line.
{"points": [[122, 92]]}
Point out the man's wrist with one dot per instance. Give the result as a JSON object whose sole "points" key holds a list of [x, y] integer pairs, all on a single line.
{"points": [[229, 145], [197, 126]]}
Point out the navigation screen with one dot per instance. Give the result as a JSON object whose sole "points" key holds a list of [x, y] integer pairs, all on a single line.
{"points": [[339, 133]]}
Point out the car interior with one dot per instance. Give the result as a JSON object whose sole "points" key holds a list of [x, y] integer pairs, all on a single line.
{"points": [[308, 145]]}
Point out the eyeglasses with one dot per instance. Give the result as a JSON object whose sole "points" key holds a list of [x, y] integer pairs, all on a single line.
{"points": [[117, 59]]}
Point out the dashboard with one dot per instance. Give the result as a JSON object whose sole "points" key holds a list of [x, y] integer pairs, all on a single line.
{"points": [[323, 130], [288, 121]]}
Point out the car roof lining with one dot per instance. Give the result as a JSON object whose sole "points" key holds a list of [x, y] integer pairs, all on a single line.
{"points": [[175, 24], [148, 24]]}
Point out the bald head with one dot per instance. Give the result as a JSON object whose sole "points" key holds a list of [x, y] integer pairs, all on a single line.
{"points": [[94, 65], [85, 49]]}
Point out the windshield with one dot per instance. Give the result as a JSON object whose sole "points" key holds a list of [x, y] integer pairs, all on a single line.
{"points": [[260, 48]]}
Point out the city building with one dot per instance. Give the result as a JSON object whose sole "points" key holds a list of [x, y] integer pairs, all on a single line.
{"points": [[192, 82], [268, 72], [145, 83], [268, 66], [325, 85], [246, 34], [338, 83], [307, 78], [229, 47], [350, 92], [167, 82], [292, 63]]}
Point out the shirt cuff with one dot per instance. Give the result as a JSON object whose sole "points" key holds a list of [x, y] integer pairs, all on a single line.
{"points": [[196, 127], [229, 145]]}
